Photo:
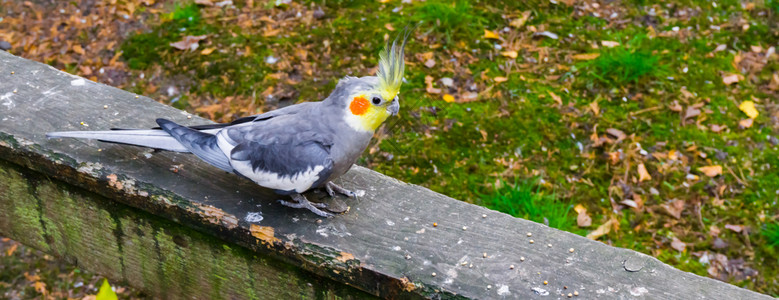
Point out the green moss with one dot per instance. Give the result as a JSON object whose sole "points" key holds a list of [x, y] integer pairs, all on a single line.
{"points": [[522, 200]]}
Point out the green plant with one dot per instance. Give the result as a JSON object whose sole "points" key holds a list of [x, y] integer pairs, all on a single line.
{"points": [[771, 234], [522, 200], [456, 19], [625, 64]]}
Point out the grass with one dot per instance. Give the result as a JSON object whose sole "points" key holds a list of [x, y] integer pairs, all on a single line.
{"points": [[771, 234], [626, 64], [522, 200], [453, 19]]}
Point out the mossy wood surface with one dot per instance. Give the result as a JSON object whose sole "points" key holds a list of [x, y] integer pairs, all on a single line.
{"points": [[386, 245]]}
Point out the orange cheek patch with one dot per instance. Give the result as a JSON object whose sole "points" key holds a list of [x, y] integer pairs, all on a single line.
{"points": [[359, 105]]}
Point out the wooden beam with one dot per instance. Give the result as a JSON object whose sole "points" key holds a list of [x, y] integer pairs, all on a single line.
{"points": [[385, 245]]}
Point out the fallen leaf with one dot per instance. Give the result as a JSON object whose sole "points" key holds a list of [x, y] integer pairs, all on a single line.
{"points": [[491, 35], [711, 171], [674, 208], [691, 112], [389, 27], [736, 228], [519, 22], [500, 79], [189, 42], [717, 128], [40, 287], [586, 56], [582, 219], [511, 53], [746, 123], [748, 107], [595, 107], [720, 47], [430, 63], [10, 251], [602, 230], [204, 2], [678, 244], [429, 82], [643, 175], [609, 44], [78, 49], [729, 79], [448, 98], [616, 133], [556, 98], [207, 51]]}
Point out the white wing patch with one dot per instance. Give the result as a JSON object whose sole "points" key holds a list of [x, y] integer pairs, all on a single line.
{"points": [[299, 182]]}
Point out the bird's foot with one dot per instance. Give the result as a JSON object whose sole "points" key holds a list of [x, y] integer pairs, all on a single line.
{"points": [[333, 188], [302, 202]]}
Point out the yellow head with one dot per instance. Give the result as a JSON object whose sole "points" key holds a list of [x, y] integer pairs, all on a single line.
{"points": [[369, 107]]}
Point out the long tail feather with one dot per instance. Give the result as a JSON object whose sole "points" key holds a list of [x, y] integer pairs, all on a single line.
{"points": [[157, 139]]}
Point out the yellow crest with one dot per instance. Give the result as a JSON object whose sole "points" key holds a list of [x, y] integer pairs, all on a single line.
{"points": [[391, 65]]}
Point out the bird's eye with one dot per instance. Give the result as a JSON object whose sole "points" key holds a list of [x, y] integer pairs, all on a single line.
{"points": [[376, 100]]}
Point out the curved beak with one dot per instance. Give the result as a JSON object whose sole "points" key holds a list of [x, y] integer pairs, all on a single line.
{"points": [[394, 107]]}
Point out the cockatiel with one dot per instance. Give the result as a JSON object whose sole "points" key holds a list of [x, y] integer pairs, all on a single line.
{"points": [[289, 150]]}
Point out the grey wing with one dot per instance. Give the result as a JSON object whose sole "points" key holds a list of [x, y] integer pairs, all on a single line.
{"points": [[288, 164], [204, 145]]}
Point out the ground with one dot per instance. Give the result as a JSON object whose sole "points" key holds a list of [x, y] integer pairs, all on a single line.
{"points": [[649, 126]]}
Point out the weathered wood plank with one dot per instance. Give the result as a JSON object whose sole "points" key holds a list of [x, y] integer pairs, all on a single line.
{"points": [[385, 245], [128, 245]]}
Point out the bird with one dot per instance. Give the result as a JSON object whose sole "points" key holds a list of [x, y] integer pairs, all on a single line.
{"points": [[292, 149]]}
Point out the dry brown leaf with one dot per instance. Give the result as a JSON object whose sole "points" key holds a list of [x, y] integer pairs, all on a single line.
{"points": [[586, 56], [602, 230], [389, 27], [189, 42], [609, 44], [207, 51], [595, 107], [500, 79], [510, 53], [204, 2], [430, 63], [674, 208], [643, 175], [78, 49], [582, 219], [678, 244], [711, 171], [519, 22], [736, 228], [10, 250], [746, 123], [556, 98], [616, 133], [718, 128], [729, 79], [429, 83]]}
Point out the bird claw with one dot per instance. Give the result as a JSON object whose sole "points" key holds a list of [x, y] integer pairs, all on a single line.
{"points": [[333, 188], [302, 202]]}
